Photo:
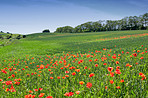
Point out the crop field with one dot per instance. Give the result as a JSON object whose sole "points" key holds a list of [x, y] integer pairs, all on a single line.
{"points": [[80, 65]]}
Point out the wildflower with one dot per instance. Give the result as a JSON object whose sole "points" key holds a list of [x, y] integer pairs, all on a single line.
{"points": [[49, 97], [41, 94], [117, 62], [58, 77], [66, 75], [73, 73], [30, 91], [77, 92], [89, 85], [105, 87], [135, 54], [8, 82], [122, 81], [63, 77], [111, 81], [112, 74], [81, 82], [66, 71], [117, 71], [142, 75], [36, 90], [92, 74], [96, 65], [118, 87], [68, 94], [110, 69], [40, 89]]}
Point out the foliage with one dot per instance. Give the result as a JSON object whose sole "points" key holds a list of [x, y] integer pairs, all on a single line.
{"points": [[46, 31], [127, 23], [66, 29]]}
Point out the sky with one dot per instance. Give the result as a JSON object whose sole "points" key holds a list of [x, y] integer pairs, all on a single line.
{"points": [[33, 16]]}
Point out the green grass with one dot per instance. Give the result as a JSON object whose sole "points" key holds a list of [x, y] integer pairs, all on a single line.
{"points": [[44, 43], [44, 56]]}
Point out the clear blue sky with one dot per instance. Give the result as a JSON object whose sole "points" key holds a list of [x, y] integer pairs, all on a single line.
{"points": [[31, 16]]}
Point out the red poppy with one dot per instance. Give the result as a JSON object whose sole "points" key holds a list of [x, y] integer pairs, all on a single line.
{"points": [[118, 87], [110, 69], [89, 85], [77, 92], [135, 54], [96, 65], [81, 82], [68, 94], [41, 94], [40, 89], [49, 97], [92, 74], [122, 81], [111, 81], [73, 73]]}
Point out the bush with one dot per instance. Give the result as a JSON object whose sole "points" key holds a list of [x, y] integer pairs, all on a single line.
{"points": [[24, 36], [46, 31]]}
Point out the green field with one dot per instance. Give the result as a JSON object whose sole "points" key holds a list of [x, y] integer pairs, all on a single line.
{"points": [[45, 43], [40, 59]]}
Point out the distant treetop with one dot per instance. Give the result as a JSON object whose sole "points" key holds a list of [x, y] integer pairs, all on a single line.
{"points": [[126, 23], [46, 31]]}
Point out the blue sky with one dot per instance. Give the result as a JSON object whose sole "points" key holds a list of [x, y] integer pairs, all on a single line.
{"points": [[31, 16]]}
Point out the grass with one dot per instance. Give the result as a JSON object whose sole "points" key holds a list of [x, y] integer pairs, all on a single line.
{"points": [[54, 64]]}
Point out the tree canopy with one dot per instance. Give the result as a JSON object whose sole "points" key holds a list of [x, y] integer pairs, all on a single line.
{"points": [[126, 23]]}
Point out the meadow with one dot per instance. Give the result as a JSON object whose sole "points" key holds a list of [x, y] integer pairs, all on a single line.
{"points": [[76, 65]]}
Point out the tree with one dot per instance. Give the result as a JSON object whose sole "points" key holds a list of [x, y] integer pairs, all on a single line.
{"points": [[126, 23], [65, 29], [46, 31]]}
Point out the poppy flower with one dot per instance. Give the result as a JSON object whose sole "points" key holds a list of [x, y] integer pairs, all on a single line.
{"points": [[49, 97], [117, 71], [96, 65], [66, 75], [8, 82], [111, 81], [81, 82], [112, 74], [122, 81], [89, 85], [63, 77], [135, 54], [41, 94], [110, 69], [40, 89], [36, 90], [118, 87], [105, 87], [73, 73], [68, 94], [77, 92], [92, 74]]}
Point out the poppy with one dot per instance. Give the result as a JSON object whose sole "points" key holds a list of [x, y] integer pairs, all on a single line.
{"points": [[111, 81], [73, 73], [118, 87], [110, 69], [92, 74], [89, 85], [49, 97], [81, 82]]}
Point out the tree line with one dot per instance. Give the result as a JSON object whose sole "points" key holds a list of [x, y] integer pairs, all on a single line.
{"points": [[126, 23]]}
